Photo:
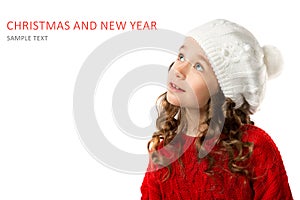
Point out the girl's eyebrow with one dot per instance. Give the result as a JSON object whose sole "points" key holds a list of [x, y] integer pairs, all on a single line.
{"points": [[200, 55], [203, 57]]}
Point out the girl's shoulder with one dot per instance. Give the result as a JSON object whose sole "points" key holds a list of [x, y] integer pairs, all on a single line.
{"points": [[252, 133], [263, 145]]}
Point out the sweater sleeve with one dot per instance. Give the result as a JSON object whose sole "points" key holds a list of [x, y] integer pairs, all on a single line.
{"points": [[270, 180], [150, 188]]}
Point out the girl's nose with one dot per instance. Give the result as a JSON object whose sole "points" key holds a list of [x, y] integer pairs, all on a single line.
{"points": [[181, 69]]}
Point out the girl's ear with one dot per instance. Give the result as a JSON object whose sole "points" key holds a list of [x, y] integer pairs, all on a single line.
{"points": [[171, 66]]}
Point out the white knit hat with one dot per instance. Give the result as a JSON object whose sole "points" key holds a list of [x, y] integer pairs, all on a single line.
{"points": [[240, 64]]}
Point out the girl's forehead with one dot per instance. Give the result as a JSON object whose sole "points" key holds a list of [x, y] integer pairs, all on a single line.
{"points": [[191, 47]]}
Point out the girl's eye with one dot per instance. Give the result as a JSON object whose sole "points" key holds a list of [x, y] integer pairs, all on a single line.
{"points": [[181, 57], [199, 67]]}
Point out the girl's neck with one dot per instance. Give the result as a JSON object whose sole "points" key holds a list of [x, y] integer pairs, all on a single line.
{"points": [[193, 118]]}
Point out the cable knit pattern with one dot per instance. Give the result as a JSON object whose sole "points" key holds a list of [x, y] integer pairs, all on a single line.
{"points": [[190, 182], [241, 65]]}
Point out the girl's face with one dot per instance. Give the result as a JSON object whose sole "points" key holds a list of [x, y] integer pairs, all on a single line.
{"points": [[191, 80]]}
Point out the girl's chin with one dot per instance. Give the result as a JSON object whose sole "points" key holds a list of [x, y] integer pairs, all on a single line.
{"points": [[172, 99]]}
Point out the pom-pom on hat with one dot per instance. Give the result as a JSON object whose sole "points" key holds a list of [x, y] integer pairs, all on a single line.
{"points": [[241, 65]]}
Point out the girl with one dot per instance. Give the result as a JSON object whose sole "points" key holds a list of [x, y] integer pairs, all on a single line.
{"points": [[206, 146]]}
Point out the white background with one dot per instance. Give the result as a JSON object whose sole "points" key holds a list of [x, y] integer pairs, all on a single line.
{"points": [[41, 155]]}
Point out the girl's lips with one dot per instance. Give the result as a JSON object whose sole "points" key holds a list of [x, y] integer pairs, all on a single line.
{"points": [[175, 88]]}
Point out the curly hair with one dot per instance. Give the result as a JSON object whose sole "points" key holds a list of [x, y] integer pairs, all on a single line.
{"points": [[221, 117]]}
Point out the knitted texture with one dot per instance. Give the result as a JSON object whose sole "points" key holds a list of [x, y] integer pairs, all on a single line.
{"points": [[188, 180], [240, 64]]}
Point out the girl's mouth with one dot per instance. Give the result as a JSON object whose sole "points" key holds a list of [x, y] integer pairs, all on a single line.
{"points": [[175, 88]]}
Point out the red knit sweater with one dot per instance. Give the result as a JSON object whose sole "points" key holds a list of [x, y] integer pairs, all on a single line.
{"points": [[191, 182]]}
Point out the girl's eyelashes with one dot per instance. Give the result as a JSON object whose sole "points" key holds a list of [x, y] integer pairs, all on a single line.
{"points": [[199, 67], [181, 57]]}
